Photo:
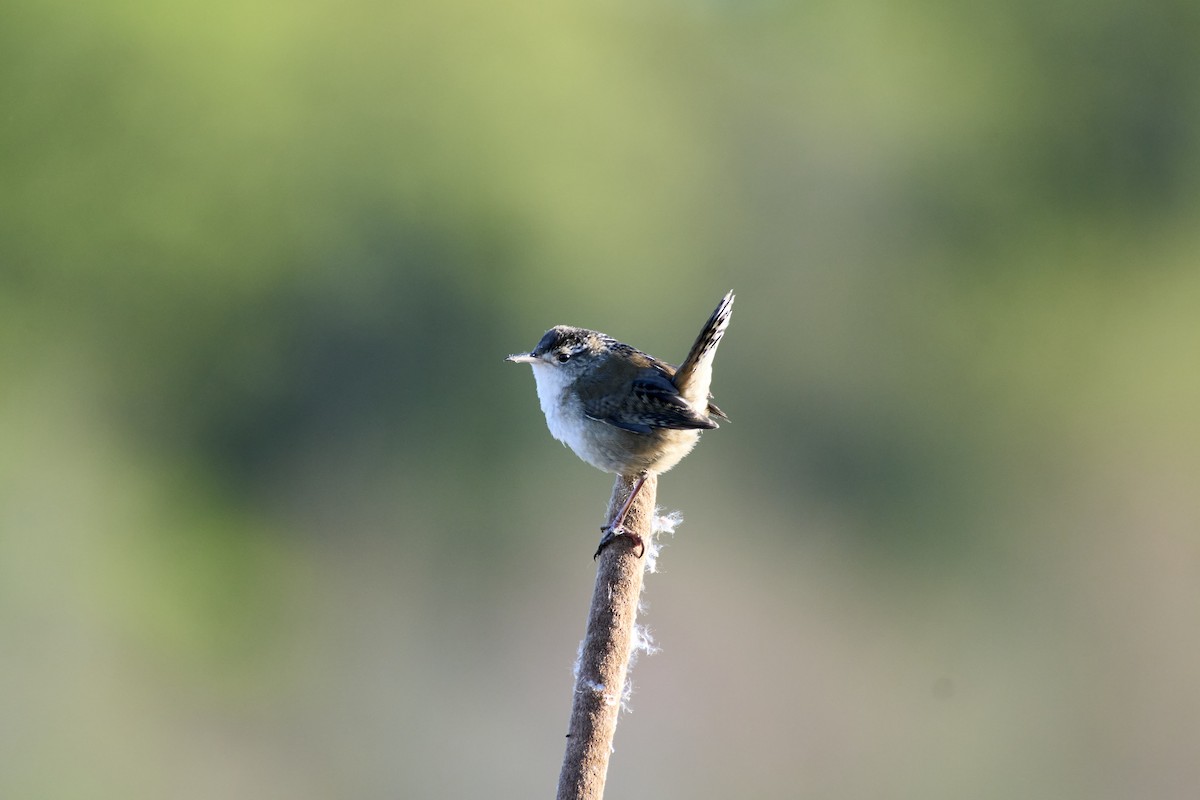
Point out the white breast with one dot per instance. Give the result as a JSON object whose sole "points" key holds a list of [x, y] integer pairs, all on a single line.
{"points": [[564, 415]]}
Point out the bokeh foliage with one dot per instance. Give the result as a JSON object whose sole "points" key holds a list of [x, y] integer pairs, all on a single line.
{"points": [[276, 520]]}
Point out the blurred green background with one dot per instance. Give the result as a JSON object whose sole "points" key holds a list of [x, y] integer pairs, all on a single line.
{"points": [[276, 520]]}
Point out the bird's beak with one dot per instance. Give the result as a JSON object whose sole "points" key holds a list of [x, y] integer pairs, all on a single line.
{"points": [[523, 358]]}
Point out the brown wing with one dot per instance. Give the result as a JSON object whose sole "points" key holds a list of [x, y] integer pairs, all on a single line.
{"points": [[647, 400]]}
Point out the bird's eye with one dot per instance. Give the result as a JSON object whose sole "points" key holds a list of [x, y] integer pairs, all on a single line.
{"points": [[561, 357]]}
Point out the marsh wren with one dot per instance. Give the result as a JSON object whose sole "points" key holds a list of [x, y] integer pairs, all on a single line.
{"points": [[622, 410]]}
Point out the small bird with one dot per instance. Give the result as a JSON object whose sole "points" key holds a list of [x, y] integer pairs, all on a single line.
{"points": [[622, 410]]}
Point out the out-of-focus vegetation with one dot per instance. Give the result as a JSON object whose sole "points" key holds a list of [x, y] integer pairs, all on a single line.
{"points": [[277, 521]]}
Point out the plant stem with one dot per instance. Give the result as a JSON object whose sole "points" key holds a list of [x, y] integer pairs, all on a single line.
{"points": [[607, 645]]}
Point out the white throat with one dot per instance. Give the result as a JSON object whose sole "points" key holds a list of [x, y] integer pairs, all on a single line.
{"points": [[557, 402]]}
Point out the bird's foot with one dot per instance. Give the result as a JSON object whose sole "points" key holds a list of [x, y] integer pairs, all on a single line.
{"points": [[614, 532]]}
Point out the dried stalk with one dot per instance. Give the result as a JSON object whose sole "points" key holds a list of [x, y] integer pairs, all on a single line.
{"points": [[606, 649]]}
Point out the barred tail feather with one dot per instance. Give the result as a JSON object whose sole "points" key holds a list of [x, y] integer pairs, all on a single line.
{"points": [[695, 373]]}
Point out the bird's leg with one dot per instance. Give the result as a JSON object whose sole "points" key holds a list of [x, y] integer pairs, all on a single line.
{"points": [[617, 527]]}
